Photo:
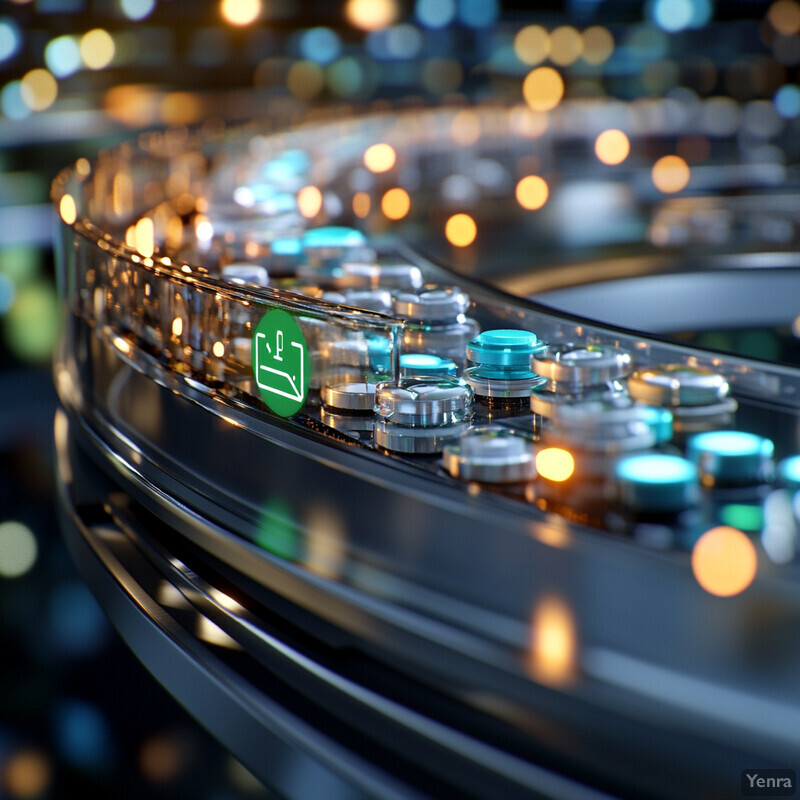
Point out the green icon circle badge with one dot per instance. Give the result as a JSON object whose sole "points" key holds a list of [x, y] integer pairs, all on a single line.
{"points": [[281, 364]]}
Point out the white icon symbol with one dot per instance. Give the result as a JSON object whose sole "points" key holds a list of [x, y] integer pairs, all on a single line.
{"points": [[296, 392]]}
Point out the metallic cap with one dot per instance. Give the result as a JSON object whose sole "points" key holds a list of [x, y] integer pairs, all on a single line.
{"points": [[576, 366], [677, 385], [656, 482], [379, 300], [431, 304], [375, 353], [353, 397], [731, 457], [490, 454], [502, 388], [421, 402], [416, 441], [246, 273]]}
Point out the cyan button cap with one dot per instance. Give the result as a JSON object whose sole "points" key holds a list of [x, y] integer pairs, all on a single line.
{"points": [[656, 482], [331, 236], [425, 364], [789, 472], [731, 456], [660, 422], [505, 348]]}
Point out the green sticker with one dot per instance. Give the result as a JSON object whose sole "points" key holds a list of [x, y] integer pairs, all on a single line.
{"points": [[280, 362]]}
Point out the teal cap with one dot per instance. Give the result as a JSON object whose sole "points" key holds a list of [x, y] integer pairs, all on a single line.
{"points": [[731, 456], [331, 236], [656, 482], [505, 348], [425, 364]]}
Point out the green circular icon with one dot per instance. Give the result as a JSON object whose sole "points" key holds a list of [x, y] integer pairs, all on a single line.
{"points": [[281, 364]]}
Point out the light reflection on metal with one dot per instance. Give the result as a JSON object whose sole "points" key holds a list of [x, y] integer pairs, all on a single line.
{"points": [[326, 542], [210, 632], [554, 642]]}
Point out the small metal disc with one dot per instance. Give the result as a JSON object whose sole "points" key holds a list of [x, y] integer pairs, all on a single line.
{"points": [[416, 441], [573, 367], [677, 385], [431, 304], [490, 454], [379, 300], [246, 273], [424, 402], [353, 397], [502, 388]]}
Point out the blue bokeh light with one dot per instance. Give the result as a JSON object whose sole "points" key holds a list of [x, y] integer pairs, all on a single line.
{"points": [[435, 13], [82, 735], [321, 45], [10, 38], [11, 103], [787, 101], [477, 13], [63, 56]]}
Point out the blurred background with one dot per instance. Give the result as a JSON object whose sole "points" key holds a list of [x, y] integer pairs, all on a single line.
{"points": [[79, 716]]}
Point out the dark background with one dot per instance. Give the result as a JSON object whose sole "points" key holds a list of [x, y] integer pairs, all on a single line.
{"points": [[79, 717]]}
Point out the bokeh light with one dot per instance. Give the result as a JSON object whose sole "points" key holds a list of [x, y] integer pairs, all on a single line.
{"points": [[395, 203], [321, 45], [137, 9], [554, 642], [67, 209], [380, 157], [724, 561], [305, 79], [309, 201], [543, 88], [27, 774], [370, 15], [11, 103], [612, 146], [63, 56], [460, 230], [442, 75], [435, 13], [32, 322], [39, 89], [670, 174], [144, 237], [78, 627], [477, 13], [362, 203], [787, 101], [532, 45], [10, 38], [97, 49], [18, 549], [532, 192], [784, 16], [566, 45], [240, 12], [598, 45], [346, 77], [555, 464], [677, 15], [162, 757]]}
